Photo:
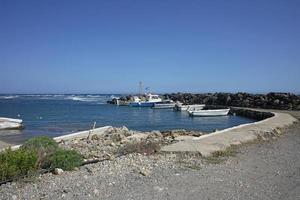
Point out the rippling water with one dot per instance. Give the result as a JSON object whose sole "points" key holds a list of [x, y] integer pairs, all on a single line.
{"points": [[55, 115]]}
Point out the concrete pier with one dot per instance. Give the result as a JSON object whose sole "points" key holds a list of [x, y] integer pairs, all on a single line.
{"points": [[220, 140]]}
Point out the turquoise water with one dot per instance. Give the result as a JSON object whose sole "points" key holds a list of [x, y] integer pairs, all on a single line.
{"points": [[55, 115]]}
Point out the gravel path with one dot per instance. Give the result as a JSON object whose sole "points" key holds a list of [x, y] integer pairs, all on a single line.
{"points": [[268, 170]]}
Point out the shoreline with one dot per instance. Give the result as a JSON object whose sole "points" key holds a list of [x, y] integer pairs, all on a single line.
{"points": [[262, 114], [247, 172]]}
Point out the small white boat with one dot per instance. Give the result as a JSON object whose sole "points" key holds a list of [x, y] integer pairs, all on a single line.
{"points": [[9, 123], [195, 107], [165, 104], [4, 119], [208, 113], [180, 107]]}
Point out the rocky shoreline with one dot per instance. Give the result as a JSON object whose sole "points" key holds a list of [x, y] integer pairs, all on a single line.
{"points": [[115, 142]]}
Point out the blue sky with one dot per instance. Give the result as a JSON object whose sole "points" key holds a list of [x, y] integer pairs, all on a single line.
{"points": [[72, 46]]}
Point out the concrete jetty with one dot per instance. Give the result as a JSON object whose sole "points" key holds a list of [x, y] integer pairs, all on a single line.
{"points": [[220, 140]]}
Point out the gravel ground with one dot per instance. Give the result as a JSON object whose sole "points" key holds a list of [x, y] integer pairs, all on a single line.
{"points": [[264, 170]]}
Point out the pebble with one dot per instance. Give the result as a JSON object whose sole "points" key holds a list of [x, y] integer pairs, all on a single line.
{"points": [[58, 171], [145, 172]]}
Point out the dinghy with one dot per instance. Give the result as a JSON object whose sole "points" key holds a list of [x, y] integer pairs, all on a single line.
{"points": [[165, 104], [208, 113]]}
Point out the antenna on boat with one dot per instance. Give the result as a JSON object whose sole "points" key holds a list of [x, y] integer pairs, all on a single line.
{"points": [[141, 88]]}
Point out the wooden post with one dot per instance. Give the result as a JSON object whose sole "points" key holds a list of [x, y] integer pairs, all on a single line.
{"points": [[91, 131]]}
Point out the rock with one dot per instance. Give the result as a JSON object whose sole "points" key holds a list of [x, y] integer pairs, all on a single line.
{"points": [[117, 137], [96, 192], [154, 135], [95, 137], [112, 144], [271, 100], [124, 141], [277, 131], [145, 172], [58, 171], [124, 128]]}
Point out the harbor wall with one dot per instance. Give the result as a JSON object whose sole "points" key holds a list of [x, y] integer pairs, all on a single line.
{"points": [[281, 101]]}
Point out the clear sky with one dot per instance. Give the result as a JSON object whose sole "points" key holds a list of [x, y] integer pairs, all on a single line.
{"points": [[94, 46]]}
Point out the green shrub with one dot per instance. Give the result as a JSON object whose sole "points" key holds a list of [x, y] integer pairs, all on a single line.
{"points": [[44, 146], [66, 159], [15, 164]]}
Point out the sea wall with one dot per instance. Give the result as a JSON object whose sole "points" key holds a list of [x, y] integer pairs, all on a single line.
{"points": [[282, 101], [251, 113]]}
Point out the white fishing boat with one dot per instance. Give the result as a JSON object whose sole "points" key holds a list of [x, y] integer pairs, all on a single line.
{"points": [[208, 113], [136, 102], [165, 104], [122, 102], [151, 99]]}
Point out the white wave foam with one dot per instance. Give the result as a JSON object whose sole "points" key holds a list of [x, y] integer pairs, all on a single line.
{"points": [[9, 97], [89, 98]]}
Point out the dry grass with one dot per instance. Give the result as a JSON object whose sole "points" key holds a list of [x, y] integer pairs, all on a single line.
{"points": [[144, 147]]}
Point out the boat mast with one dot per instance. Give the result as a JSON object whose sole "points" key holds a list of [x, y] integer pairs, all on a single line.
{"points": [[141, 88]]}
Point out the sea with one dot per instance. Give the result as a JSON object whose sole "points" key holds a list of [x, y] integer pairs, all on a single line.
{"points": [[59, 114]]}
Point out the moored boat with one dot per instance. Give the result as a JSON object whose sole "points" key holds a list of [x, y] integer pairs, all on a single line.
{"points": [[181, 107], [195, 107], [151, 99], [165, 104], [210, 112]]}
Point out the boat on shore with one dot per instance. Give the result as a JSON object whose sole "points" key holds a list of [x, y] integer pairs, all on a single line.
{"points": [[9, 123], [11, 120], [151, 99], [165, 104], [209, 112]]}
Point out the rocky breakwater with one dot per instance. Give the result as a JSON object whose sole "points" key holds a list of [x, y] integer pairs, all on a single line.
{"points": [[116, 142], [283, 101], [9, 123]]}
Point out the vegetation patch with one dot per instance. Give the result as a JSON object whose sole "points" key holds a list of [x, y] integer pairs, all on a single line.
{"points": [[66, 159], [220, 156], [15, 164], [189, 160], [144, 147], [229, 152], [44, 147], [39, 154]]}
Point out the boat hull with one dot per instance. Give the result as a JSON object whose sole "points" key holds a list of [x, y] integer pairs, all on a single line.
{"points": [[164, 106], [195, 107], [141, 104], [209, 113]]}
